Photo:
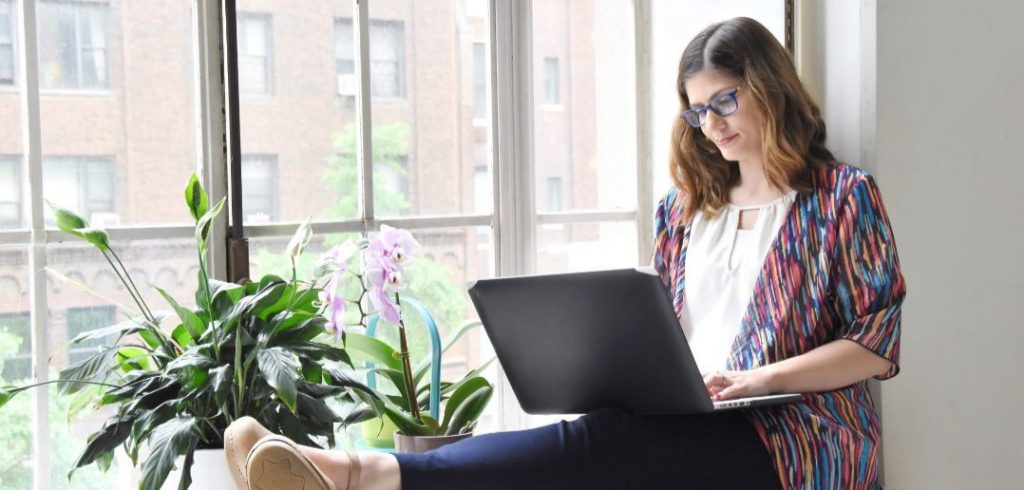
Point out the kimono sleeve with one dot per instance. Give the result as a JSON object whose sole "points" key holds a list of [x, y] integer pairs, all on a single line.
{"points": [[868, 285], [664, 235]]}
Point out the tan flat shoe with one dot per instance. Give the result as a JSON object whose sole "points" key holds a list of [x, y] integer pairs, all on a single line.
{"points": [[239, 438], [277, 463]]}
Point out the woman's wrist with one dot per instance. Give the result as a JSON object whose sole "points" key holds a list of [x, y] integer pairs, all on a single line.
{"points": [[773, 378]]}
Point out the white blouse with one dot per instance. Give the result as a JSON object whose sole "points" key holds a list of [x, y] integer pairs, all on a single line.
{"points": [[722, 267]]}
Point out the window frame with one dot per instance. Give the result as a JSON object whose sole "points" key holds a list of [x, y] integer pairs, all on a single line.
{"points": [[513, 218]]}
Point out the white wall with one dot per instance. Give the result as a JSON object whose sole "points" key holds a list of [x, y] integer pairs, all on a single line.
{"points": [[951, 167], [945, 141]]}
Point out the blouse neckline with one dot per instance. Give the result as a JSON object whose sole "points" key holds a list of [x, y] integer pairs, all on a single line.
{"points": [[783, 199]]}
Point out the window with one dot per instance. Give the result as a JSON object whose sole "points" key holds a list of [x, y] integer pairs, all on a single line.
{"points": [[6, 43], [10, 192], [73, 39], [15, 347], [480, 73], [82, 184], [387, 58], [259, 188], [254, 54], [551, 92], [81, 320]]}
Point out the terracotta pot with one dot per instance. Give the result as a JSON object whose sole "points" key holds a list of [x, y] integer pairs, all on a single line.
{"points": [[422, 444]]}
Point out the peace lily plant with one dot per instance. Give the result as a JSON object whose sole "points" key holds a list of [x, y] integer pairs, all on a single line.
{"points": [[175, 384], [377, 265]]}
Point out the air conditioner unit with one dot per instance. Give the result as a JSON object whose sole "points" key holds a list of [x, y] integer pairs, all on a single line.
{"points": [[347, 84]]}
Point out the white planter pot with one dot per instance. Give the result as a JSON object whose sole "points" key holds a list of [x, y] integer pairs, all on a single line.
{"points": [[209, 472]]}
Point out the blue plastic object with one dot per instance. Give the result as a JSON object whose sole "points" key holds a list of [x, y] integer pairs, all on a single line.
{"points": [[435, 354]]}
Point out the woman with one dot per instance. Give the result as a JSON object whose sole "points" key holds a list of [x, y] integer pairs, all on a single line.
{"points": [[792, 284]]}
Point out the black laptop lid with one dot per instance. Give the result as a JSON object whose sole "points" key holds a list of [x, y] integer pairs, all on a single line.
{"points": [[574, 343]]}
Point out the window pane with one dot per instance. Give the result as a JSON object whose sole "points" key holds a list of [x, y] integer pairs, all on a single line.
{"points": [[83, 294], [584, 104], [16, 424], [73, 40], [11, 212], [427, 151], [302, 121], [586, 246], [675, 23], [120, 156], [259, 188], [428, 67]]}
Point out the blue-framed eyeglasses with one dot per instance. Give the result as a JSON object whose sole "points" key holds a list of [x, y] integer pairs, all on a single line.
{"points": [[722, 105]]}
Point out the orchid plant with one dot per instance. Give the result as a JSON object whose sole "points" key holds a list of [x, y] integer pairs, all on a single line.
{"points": [[379, 272]]}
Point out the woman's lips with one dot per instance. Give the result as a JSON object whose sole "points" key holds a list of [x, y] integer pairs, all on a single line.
{"points": [[726, 141]]}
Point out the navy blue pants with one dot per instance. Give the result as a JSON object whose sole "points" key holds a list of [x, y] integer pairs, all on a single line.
{"points": [[604, 449]]}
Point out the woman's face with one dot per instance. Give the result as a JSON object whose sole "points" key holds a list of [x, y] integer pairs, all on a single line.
{"points": [[738, 135]]}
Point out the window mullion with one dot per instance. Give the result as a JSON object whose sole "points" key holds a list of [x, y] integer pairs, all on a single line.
{"points": [[364, 134], [643, 44], [32, 145], [211, 152]]}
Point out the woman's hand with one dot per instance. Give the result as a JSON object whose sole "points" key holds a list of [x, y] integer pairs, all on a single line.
{"points": [[725, 385]]}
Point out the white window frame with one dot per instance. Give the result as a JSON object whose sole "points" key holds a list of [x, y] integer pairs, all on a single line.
{"points": [[513, 222]]}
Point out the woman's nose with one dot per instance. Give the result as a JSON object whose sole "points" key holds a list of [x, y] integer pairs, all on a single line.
{"points": [[712, 120]]}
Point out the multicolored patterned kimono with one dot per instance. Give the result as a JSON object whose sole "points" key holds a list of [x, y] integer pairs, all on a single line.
{"points": [[832, 273]]}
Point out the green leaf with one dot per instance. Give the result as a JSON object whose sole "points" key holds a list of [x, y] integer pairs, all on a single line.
{"points": [[86, 370], [378, 351], [280, 368], [120, 329], [186, 470], [6, 393], [454, 411], [113, 433], [182, 337], [230, 290], [67, 221], [131, 358], [96, 236], [192, 322], [196, 198], [170, 440], [220, 379], [202, 232]]}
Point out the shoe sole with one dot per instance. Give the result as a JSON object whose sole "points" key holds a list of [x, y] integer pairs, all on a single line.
{"points": [[276, 464]]}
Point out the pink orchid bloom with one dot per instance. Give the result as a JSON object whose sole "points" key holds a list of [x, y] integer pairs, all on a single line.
{"points": [[383, 274], [337, 306], [387, 309], [392, 244]]}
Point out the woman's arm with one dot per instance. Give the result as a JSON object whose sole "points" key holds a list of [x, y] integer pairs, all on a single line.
{"points": [[831, 366]]}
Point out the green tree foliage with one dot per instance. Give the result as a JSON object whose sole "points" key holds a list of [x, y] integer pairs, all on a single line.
{"points": [[16, 427]]}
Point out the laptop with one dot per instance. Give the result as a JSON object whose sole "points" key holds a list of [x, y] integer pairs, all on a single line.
{"points": [[579, 342]]}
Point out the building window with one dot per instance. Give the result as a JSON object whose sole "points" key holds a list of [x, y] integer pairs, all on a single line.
{"points": [[254, 54], [73, 39], [554, 194], [6, 43], [479, 81], [387, 58], [15, 347], [551, 84], [81, 320], [259, 188], [82, 184], [10, 192]]}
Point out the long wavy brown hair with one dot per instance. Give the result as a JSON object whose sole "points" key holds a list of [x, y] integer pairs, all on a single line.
{"points": [[793, 131]]}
